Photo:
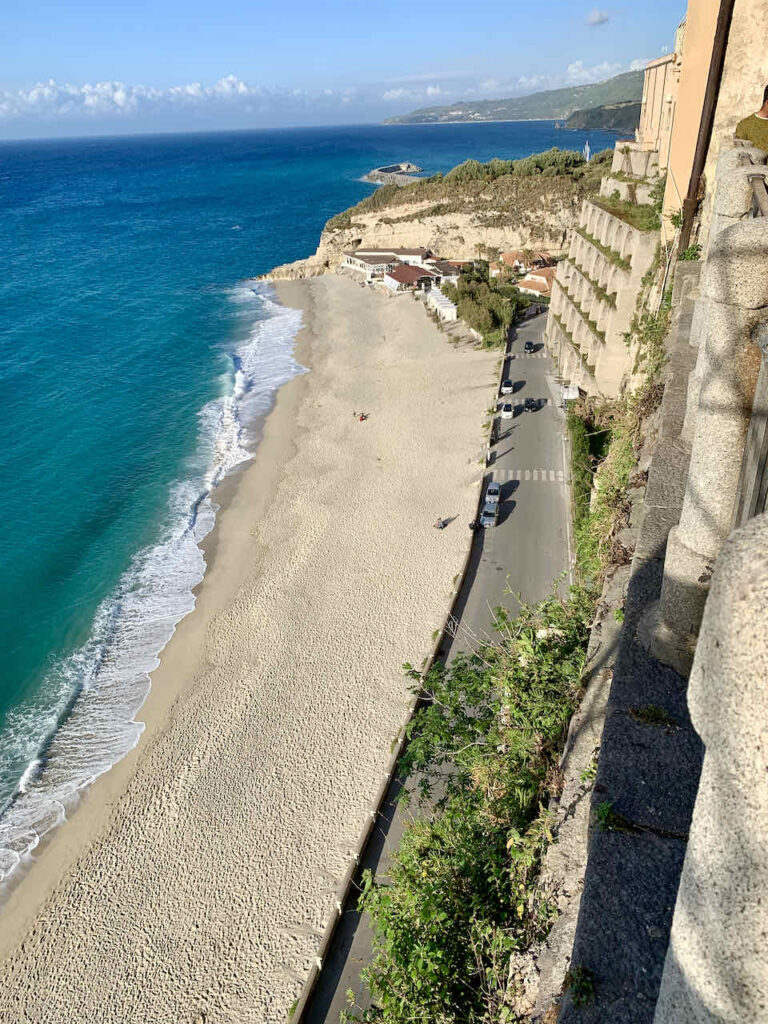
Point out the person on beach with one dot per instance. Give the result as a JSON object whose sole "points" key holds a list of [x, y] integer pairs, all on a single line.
{"points": [[440, 524], [754, 128]]}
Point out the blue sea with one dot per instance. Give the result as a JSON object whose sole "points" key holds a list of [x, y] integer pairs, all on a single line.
{"points": [[135, 354]]}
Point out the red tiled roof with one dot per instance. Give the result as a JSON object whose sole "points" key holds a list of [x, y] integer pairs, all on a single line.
{"points": [[518, 256], [548, 273], [540, 287], [510, 258], [409, 275]]}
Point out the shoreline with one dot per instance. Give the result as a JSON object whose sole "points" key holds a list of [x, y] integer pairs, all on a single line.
{"points": [[23, 896], [272, 712], [233, 432]]}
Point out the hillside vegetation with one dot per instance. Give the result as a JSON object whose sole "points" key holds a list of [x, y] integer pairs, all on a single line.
{"points": [[553, 103], [500, 188], [611, 117], [475, 210]]}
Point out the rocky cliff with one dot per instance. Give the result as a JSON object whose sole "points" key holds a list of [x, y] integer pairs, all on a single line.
{"points": [[460, 217]]}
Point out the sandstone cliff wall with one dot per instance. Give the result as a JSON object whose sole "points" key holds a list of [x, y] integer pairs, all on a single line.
{"points": [[545, 222]]}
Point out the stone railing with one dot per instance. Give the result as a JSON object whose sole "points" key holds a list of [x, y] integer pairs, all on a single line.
{"points": [[731, 314], [717, 961], [716, 966]]}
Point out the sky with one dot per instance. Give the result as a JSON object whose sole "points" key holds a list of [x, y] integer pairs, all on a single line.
{"points": [[81, 67]]}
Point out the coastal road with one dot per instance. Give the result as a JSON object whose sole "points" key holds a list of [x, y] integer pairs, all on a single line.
{"points": [[529, 549], [525, 553]]}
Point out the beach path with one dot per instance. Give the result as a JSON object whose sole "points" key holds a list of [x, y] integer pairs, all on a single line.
{"points": [[194, 883]]}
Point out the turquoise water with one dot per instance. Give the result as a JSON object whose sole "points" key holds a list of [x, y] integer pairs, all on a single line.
{"points": [[133, 358]]}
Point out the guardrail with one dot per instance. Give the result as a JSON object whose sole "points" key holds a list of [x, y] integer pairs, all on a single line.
{"points": [[345, 886]]}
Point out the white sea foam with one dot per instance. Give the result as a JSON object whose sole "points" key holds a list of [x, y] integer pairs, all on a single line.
{"points": [[84, 720]]}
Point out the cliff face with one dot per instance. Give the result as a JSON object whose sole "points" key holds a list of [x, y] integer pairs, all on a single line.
{"points": [[614, 117], [459, 221]]}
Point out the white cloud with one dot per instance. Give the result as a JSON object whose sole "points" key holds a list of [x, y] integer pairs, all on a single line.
{"points": [[52, 99], [413, 95], [233, 102], [598, 17], [577, 74], [431, 76], [397, 94]]}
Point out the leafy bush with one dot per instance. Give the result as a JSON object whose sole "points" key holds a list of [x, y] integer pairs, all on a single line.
{"points": [[581, 468], [463, 891], [561, 161], [692, 253], [657, 194], [485, 304]]}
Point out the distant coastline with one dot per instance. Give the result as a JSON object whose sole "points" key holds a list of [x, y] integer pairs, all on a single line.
{"points": [[485, 120]]}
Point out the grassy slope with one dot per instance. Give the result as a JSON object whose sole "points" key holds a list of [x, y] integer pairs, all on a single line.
{"points": [[508, 199], [554, 103]]}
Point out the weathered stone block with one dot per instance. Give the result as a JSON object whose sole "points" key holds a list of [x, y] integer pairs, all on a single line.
{"points": [[734, 191], [736, 272], [717, 964]]}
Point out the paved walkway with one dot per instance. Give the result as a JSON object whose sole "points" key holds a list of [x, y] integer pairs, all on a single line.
{"points": [[524, 553]]}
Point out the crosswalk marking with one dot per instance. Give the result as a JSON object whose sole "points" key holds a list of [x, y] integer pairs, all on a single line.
{"points": [[530, 355], [503, 476]]}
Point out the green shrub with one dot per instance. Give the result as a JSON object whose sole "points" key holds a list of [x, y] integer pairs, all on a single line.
{"points": [[486, 304], [657, 194], [692, 253], [642, 216], [462, 892]]}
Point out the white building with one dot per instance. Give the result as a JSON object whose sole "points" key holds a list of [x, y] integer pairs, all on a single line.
{"points": [[404, 277], [412, 257], [444, 308], [370, 265]]}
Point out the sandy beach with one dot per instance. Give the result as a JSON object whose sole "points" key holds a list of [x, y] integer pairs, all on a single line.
{"points": [[194, 881]]}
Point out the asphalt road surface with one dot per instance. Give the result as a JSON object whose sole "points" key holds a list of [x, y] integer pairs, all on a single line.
{"points": [[524, 554], [529, 548]]}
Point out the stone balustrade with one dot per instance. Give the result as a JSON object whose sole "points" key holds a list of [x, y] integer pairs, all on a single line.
{"points": [[716, 967], [730, 313]]}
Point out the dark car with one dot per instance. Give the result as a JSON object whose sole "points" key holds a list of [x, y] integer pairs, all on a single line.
{"points": [[528, 346], [531, 404]]}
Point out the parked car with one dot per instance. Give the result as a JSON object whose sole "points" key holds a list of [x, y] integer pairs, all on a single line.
{"points": [[528, 346], [507, 412], [507, 387], [493, 493], [490, 515], [531, 404]]}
